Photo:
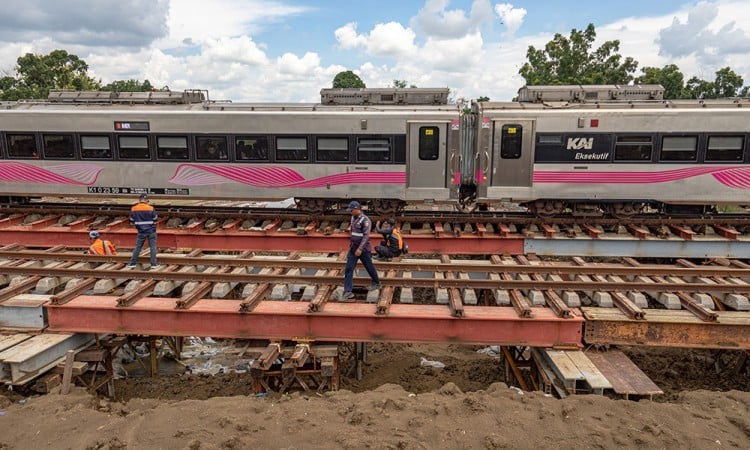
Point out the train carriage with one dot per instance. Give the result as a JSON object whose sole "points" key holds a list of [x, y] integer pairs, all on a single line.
{"points": [[584, 149]]}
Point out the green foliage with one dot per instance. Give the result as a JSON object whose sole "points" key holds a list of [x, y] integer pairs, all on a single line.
{"points": [[400, 84], [726, 84], [38, 74], [570, 61], [483, 98], [129, 86], [348, 79], [669, 77]]}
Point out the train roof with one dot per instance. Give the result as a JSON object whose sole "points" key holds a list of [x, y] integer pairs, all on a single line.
{"points": [[371, 100]]}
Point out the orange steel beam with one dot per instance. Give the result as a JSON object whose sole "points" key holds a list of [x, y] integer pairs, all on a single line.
{"points": [[663, 328], [481, 325], [259, 241]]}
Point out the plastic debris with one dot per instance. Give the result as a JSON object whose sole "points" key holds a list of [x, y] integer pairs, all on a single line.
{"points": [[427, 363], [492, 350]]}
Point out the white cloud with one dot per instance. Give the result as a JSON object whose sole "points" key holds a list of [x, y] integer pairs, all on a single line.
{"points": [[511, 17], [290, 64], [436, 21], [697, 35], [385, 39]]}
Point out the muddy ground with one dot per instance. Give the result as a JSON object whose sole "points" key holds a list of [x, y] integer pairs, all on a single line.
{"points": [[398, 404]]}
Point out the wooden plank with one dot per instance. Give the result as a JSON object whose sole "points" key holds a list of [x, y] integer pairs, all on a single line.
{"points": [[564, 368], [67, 372], [594, 378], [7, 342], [626, 378]]}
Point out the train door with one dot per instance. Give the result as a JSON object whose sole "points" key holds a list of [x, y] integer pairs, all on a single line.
{"points": [[512, 158], [426, 161]]}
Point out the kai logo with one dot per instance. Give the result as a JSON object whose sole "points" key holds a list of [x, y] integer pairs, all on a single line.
{"points": [[580, 143]]}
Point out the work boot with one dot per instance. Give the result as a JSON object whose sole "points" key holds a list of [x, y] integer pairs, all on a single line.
{"points": [[347, 297], [374, 286]]}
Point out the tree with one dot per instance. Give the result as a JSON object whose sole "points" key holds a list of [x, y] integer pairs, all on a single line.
{"points": [[38, 74], [483, 98], [726, 84], [570, 61], [401, 84], [348, 79], [129, 86], [669, 76]]}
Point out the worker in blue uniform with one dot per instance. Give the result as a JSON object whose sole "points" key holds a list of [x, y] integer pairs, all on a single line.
{"points": [[143, 216], [359, 249]]}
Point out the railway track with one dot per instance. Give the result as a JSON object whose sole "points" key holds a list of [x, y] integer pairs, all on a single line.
{"points": [[431, 232], [514, 301]]}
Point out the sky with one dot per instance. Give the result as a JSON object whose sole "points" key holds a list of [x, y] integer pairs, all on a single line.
{"points": [[287, 50]]}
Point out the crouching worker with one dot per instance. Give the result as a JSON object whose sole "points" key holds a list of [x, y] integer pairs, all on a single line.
{"points": [[100, 246], [392, 244]]}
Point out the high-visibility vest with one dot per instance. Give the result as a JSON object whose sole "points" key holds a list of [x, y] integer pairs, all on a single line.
{"points": [[397, 233], [102, 247]]}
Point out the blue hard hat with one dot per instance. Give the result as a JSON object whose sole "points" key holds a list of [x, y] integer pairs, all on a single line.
{"points": [[353, 205], [93, 234]]}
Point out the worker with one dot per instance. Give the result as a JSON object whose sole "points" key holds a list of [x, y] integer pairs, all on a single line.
{"points": [[100, 246], [143, 216], [359, 249], [392, 243]]}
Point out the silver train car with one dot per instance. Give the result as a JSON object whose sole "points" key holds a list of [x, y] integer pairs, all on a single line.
{"points": [[585, 149]]}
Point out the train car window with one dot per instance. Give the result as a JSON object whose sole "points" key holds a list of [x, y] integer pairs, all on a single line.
{"points": [[633, 148], [332, 149], [511, 141], [58, 146], [679, 148], [429, 143], [251, 148], [172, 147], [134, 147], [291, 149], [725, 148], [374, 149], [96, 147], [211, 148], [21, 146]]}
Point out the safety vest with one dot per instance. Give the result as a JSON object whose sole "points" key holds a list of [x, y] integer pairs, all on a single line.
{"points": [[397, 233], [102, 247]]}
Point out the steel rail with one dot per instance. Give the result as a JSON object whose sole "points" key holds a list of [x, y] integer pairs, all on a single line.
{"points": [[408, 216], [399, 282], [413, 266]]}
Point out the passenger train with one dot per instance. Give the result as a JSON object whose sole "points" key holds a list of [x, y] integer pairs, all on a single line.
{"points": [[583, 149]]}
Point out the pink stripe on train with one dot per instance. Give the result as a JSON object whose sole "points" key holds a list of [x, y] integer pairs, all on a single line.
{"points": [[737, 177], [20, 172], [275, 177]]}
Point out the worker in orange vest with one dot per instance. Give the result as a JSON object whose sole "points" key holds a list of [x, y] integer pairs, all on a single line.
{"points": [[99, 246]]}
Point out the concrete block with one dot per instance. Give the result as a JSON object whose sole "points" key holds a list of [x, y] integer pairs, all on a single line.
{"points": [[309, 291], [572, 299], [639, 299], [221, 290], [407, 294], [602, 299], [441, 294], [670, 301], [705, 300], [468, 296], [736, 302]]}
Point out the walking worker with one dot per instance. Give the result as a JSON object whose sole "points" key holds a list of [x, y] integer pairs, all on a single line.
{"points": [[359, 249], [100, 246], [392, 243], [143, 216]]}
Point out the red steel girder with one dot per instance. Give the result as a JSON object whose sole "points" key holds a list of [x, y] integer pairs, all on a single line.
{"points": [[260, 241], [481, 325]]}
